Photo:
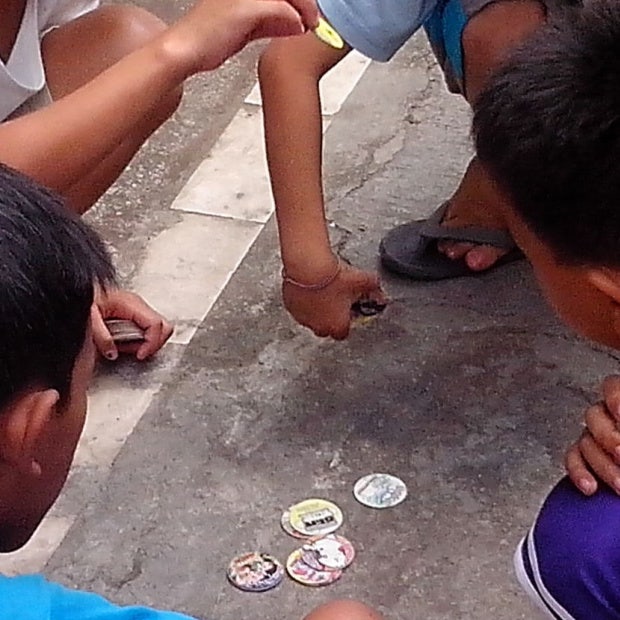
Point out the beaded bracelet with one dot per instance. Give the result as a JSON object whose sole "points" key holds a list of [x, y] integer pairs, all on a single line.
{"points": [[319, 286]]}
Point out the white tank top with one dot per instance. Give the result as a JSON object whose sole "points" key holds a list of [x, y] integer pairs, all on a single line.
{"points": [[22, 78]]}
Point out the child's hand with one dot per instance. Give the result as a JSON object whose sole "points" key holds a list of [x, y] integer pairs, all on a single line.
{"points": [[327, 312], [214, 30], [597, 451], [120, 304]]}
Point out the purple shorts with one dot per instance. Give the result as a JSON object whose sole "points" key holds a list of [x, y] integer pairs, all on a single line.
{"points": [[569, 563]]}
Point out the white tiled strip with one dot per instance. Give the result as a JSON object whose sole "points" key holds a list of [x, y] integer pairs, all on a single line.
{"points": [[224, 206], [188, 265], [233, 181]]}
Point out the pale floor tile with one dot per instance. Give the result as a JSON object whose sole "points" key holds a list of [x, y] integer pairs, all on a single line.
{"points": [[114, 409], [188, 265], [335, 87], [233, 181], [33, 557]]}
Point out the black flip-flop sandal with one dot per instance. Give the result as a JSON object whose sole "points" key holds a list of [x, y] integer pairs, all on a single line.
{"points": [[411, 249]]}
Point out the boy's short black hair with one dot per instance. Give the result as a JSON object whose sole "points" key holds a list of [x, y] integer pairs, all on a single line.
{"points": [[49, 263], [547, 126]]}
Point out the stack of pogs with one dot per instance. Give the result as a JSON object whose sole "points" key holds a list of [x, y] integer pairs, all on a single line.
{"points": [[324, 555], [312, 517], [321, 560], [124, 330]]}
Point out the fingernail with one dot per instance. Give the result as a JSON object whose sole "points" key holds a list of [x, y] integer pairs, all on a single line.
{"points": [[586, 485], [112, 355]]}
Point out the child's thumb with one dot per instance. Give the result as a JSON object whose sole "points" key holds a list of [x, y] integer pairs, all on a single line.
{"points": [[101, 335]]}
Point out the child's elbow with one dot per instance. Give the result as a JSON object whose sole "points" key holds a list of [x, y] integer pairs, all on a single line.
{"points": [[275, 63], [267, 64], [293, 59]]}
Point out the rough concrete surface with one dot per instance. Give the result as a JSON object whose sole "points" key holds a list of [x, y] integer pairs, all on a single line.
{"points": [[469, 390], [137, 207]]}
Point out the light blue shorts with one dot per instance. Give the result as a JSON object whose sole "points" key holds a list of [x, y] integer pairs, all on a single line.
{"points": [[379, 28]]}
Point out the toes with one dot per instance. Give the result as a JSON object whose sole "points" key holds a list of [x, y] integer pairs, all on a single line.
{"points": [[453, 250], [483, 256], [477, 257]]}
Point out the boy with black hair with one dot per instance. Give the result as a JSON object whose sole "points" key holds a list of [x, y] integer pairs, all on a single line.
{"points": [[547, 126], [51, 262]]}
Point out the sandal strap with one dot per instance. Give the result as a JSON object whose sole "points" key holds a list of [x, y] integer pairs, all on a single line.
{"points": [[433, 230]]}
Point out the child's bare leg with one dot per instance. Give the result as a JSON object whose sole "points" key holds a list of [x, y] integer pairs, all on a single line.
{"points": [[343, 610], [487, 39], [77, 52]]}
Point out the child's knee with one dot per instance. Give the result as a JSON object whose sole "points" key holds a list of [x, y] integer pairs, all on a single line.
{"points": [[489, 36], [129, 26], [343, 610], [77, 51], [133, 27]]}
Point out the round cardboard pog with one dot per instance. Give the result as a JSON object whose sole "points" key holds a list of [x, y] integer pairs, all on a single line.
{"points": [[255, 572]]}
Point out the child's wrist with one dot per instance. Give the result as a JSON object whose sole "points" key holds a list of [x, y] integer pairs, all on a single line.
{"points": [[315, 284], [175, 54], [312, 272]]}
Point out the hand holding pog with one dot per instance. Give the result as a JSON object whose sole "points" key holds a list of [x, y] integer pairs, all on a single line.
{"points": [[124, 330]]}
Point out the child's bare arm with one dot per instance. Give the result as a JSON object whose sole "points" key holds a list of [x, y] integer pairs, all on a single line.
{"points": [[60, 144], [290, 70]]}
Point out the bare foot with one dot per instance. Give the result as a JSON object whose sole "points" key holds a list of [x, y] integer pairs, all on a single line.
{"points": [[475, 203]]}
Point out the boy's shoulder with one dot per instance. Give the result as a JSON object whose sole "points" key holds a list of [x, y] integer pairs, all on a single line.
{"points": [[377, 28], [25, 597], [32, 597]]}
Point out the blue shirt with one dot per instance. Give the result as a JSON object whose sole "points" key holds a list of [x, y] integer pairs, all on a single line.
{"points": [[377, 28], [34, 598]]}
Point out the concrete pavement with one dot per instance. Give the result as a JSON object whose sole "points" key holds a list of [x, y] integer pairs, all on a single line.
{"points": [[469, 390]]}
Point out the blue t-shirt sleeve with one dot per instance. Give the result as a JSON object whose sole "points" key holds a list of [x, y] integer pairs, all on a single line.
{"points": [[377, 28], [34, 598]]}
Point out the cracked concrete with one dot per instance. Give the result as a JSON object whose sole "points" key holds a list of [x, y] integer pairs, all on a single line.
{"points": [[470, 390]]}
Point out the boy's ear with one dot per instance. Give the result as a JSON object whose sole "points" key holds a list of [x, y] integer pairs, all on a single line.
{"points": [[607, 281], [22, 424]]}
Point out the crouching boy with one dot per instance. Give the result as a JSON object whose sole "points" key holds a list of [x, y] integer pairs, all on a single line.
{"points": [[51, 262]]}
